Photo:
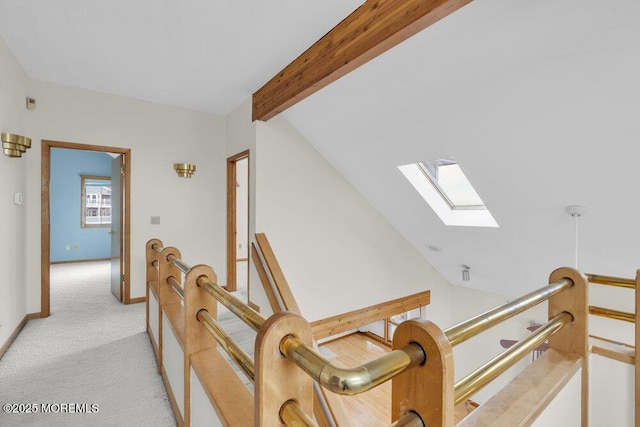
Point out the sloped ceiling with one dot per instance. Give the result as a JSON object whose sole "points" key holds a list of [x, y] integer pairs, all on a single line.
{"points": [[537, 100]]}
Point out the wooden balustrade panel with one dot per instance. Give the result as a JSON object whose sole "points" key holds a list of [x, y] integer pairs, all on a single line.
{"points": [[528, 394], [229, 396], [196, 336]]}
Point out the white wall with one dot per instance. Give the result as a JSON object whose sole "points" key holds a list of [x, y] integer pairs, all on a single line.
{"points": [[13, 119], [337, 253], [241, 136], [192, 211]]}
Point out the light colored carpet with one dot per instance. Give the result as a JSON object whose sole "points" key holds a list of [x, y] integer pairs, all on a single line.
{"points": [[91, 350]]}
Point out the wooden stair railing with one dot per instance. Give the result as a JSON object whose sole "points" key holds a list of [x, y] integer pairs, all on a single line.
{"points": [[327, 409], [279, 289], [567, 292], [622, 352], [613, 350], [420, 366], [344, 322]]}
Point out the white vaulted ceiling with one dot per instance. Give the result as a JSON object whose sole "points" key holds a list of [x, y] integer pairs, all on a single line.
{"points": [[537, 100]]}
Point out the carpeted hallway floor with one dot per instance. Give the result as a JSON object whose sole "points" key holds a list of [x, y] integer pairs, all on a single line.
{"points": [[92, 356]]}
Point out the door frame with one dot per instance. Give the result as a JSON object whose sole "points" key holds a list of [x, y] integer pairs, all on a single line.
{"points": [[232, 273], [45, 217]]}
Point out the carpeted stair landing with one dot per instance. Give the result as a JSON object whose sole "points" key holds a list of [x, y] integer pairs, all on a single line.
{"points": [[92, 356]]}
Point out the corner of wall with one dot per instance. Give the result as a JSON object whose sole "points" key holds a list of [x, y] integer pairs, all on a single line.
{"points": [[13, 172]]}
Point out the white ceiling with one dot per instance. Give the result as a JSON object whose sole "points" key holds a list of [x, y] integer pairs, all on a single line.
{"points": [[208, 55], [537, 100]]}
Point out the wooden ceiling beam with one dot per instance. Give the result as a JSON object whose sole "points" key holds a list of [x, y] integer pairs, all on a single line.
{"points": [[370, 30]]}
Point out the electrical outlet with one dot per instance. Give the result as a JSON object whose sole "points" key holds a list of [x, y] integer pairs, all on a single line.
{"points": [[155, 220]]}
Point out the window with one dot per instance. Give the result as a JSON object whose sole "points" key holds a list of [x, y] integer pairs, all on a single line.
{"points": [[96, 201], [443, 184]]}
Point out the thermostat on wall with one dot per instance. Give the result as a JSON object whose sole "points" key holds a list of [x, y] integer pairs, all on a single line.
{"points": [[17, 198]]}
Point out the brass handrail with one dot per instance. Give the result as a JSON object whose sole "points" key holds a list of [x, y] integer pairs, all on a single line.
{"points": [[612, 314], [350, 381], [410, 419], [490, 370], [619, 282], [292, 415], [182, 266], [339, 380], [622, 344], [156, 247], [242, 359], [237, 307], [175, 285], [469, 328]]}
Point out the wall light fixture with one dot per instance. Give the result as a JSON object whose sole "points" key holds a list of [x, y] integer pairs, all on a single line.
{"points": [[184, 170], [14, 145]]}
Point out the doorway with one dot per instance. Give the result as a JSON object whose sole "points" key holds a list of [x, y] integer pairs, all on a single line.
{"points": [[238, 222], [123, 258]]}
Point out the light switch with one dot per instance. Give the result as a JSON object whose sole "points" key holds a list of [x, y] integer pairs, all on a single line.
{"points": [[17, 198], [155, 220]]}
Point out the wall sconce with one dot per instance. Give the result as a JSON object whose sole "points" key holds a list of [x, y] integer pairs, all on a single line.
{"points": [[184, 170], [14, 145]]}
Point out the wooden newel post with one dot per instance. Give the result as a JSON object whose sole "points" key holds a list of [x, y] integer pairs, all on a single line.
{"points": [[279, 379], [152, 255], [165, 293], [196, 336], [152, 280], [573, 337], [167, 269], [427, 390], [196, 298]]}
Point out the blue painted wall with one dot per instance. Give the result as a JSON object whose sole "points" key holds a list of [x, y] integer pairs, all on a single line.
{"points": [[85, 243]]}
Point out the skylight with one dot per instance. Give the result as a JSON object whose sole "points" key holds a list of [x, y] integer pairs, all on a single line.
{"points": [[449, 193]]}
